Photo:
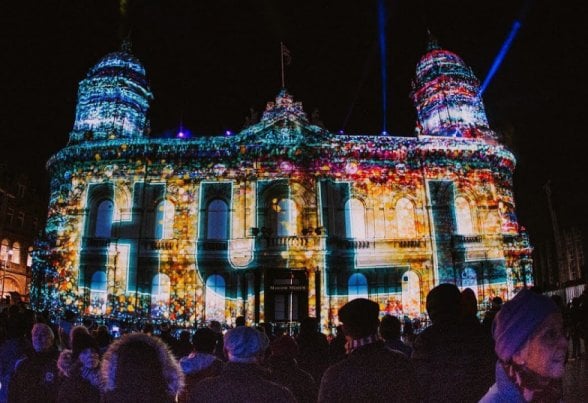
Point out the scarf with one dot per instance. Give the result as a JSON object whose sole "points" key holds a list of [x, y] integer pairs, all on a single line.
{"points": [[543, 389], [354, 344]]}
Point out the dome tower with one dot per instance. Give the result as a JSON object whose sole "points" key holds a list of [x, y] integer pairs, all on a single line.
{"points": [[445, 94], [113, 99]]}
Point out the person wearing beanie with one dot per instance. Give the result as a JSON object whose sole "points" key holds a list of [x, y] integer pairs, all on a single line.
{"points": [[371, 372], [201, 362], [36, 377], [138, 368], [285, 370], [82, 381], [242, 379], [531, 347], [453, 357]]}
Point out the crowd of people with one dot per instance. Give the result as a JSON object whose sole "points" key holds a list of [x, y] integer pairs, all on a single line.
{"points": [[517, 354]]}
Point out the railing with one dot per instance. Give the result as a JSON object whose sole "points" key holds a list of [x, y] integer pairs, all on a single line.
{"points": [[397, 243], [465, 239], [212, 245], [292, 241]]}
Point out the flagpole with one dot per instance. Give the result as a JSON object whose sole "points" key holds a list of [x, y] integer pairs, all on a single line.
{"points": [[282, 62]]}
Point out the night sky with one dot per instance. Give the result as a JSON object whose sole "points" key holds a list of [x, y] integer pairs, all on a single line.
{"points": [[208, 62]]}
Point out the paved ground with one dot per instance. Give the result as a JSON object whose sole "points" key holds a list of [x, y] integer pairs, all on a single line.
{"points": [[576, 380]]}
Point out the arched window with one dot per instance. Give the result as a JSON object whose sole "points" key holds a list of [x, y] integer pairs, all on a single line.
{"points": [[164, 220], [357, 286], [405, 219], [463, 215], [354, 219], [218, 220], [104, 219], [286, 217], [215, 298], [98, 293], [160, 294], [411, 294], [4, 251], [15, 253]]}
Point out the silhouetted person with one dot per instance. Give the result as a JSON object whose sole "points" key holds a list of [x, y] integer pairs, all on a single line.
{"points": [[453, 358], [371, 372], [201, 362], [242, 379], [491, 314], [36, 378], [285, 371], [337, 347], [140, 368], [313, 346], [390, 332], [240, 321]]}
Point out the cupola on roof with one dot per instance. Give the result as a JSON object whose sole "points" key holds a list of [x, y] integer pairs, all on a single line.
{"points": [[446, 95], [113, 99]]}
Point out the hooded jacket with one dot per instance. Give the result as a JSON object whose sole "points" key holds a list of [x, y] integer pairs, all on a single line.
{"points": [[140, 368]]}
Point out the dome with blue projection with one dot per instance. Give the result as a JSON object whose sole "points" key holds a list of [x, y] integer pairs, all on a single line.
{"points": [[445, 92], [113, 99]]}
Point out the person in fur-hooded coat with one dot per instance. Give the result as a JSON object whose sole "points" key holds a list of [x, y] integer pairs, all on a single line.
{"points": [[80, 369], [140, 368]]}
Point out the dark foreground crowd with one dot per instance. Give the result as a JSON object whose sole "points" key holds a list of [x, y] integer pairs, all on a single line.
{"points": [[517, 354]]}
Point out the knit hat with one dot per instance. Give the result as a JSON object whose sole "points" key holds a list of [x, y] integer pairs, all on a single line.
{"points": [[244, 343], [518, 319], [81, 342], [284, 346], [360, 317]]}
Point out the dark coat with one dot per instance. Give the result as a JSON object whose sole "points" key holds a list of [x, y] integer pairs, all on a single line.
{"points": [[372, 373], [36, 379], [286, 372], [454, 361], [75, 388], [196, 368], [240, 383]]}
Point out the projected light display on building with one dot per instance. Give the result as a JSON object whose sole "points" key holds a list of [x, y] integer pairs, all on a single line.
{"points": [[281, 220]]}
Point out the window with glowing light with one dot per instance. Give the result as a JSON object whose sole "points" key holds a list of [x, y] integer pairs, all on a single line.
{"points": [[357, 286], [218, 220], [15, 253], [463, 215], [104, 214], [4, 250], [215, 297], [98, 293], [286, 213], [160, 295], [406, 218], [164, 220], [354, 219]]}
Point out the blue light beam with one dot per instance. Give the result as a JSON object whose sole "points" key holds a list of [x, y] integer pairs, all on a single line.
{"points": [[383, 66], [500, 57]]}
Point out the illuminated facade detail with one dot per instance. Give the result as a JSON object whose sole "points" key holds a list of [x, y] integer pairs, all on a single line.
{"points": [[284, 219]]}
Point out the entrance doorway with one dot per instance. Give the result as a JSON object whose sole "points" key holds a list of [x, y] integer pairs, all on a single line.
{"points": [[286, 293]]}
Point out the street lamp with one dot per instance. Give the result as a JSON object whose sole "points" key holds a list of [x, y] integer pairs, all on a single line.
{"points": [[7, 259]]}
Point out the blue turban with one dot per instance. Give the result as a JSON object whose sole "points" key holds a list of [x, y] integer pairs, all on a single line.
{"points": [[518, 319]]}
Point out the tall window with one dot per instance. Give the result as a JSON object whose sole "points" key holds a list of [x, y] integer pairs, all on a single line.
{"points": [[15, 253], [463, 214], [218, 220], [286, 217], [160, 295], [357, 286], [215, 298], [98, 293], [405, 218], [354, 219], [4, 251], [104, 219], [164, 220]]}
